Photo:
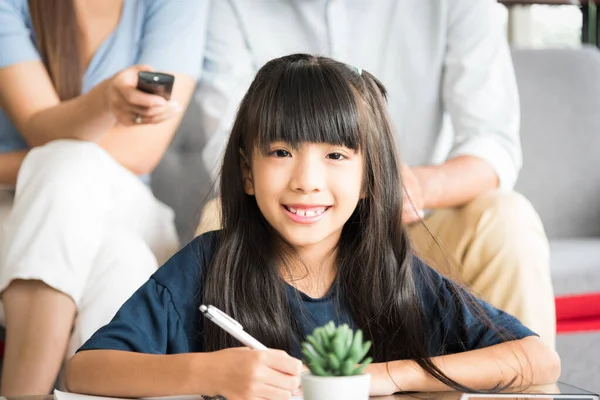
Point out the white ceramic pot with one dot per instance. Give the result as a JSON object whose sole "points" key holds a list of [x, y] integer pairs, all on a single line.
{"points": [[335, 387]]}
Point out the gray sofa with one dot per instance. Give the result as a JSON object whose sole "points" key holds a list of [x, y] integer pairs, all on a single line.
{"points": [[560, 134], [560, 99]]}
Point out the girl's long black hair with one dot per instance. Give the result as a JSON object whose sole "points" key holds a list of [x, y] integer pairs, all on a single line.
{"points": [[302, 98]]}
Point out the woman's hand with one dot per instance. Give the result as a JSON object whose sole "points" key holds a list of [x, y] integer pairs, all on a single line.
{"points": [[130, 106], [242, 373]]}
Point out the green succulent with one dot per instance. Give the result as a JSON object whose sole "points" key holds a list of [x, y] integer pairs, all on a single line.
{"points": [[336, 351]]}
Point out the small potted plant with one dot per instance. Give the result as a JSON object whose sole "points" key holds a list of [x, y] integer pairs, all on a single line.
{"points": [[336, 359]]}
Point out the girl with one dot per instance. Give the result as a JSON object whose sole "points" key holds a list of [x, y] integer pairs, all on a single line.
{"points": [[80, 230], [312, 232]]}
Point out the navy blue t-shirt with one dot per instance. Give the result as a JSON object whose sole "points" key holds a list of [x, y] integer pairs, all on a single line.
{"points": [[162, 316]]}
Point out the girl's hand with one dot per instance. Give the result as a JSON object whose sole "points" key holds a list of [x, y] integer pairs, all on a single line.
{"points": [[242, 373], [131, 106]]}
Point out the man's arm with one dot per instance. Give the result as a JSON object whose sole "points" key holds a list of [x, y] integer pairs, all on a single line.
{"points": [[480, 94], [455, 182]]}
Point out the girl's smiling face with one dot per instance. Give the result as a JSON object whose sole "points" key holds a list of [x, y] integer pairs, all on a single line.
{"points": [[306, 193]]}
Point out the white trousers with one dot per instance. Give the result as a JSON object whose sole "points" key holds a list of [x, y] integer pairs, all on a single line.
{"points": [[86, 226]]}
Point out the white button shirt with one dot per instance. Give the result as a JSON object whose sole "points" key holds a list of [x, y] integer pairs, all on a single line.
{"points": [[437, 58]]}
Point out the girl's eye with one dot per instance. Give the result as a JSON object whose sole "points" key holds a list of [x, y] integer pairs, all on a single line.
{"points": [[280, 153], [335, 156]]}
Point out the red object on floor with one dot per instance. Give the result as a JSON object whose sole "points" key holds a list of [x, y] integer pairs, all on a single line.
{"points": [[578, 313]]}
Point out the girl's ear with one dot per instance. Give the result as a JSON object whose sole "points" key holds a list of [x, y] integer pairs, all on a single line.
{"points": [[246, 174]]}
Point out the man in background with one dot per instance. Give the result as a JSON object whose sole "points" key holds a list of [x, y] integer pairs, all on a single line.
{"points": [[453, 100]]}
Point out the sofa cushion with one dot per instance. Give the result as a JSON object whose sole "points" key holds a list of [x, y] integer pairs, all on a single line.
{"points": [[560, 134], [575, 265]]}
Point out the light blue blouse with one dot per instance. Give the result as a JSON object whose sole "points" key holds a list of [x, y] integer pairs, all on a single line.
{"points": [[169, 35]]}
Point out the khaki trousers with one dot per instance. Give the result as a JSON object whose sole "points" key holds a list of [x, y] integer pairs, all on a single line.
{"points": [[494, 244]]}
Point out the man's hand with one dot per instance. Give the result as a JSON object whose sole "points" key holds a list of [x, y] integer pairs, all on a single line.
{"points": [[412, 196]]}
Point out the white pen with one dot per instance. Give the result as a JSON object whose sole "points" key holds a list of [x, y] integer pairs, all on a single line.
{"points": [[231, 326]]}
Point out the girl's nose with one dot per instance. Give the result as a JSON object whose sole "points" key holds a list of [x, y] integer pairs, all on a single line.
{"points": [[309, 176]]}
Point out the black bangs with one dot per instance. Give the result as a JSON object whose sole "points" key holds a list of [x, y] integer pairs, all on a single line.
{"points": [[308, 101]]}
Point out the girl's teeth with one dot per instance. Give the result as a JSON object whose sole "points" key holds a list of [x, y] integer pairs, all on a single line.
{"points": [[307, 213]]}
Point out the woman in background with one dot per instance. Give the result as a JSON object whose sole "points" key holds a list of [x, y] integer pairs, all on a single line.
{"points": [[81, 229]]}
